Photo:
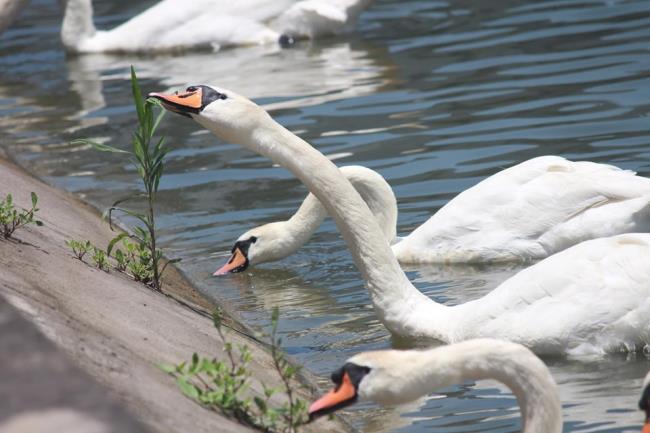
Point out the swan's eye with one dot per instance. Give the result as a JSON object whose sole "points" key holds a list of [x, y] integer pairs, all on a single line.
{"points": [[192, 89]]}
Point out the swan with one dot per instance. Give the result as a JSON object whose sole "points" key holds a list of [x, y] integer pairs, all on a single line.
{"points": [[173, 25], [392, 377], [593, 297], [278, 240], [644, 403], [525, 212]]}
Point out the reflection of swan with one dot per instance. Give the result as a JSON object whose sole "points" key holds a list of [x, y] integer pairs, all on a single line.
{"points": [[173, 25], [529, 211], [594, 296], [278, 240], [312, 75], [393, 377]]}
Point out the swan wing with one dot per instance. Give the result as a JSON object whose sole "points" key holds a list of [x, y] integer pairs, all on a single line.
{"points": [[531, 210], [591, 298]]}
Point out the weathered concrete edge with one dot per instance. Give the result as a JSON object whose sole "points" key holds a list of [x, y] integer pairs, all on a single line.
{"points": [[194, 304]]}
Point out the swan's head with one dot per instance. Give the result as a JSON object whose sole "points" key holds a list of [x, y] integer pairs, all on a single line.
{"points": [[266, 243], [384, 376], [644, 403], [228, 115]]}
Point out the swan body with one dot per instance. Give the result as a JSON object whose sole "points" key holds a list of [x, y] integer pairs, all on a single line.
{"points": [[392, 377], [530, 211], [525, 212], [277, 240], [593, 297], [173, 25]]}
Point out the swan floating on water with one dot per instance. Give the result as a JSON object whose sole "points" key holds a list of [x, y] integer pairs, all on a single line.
{"points": [[593, 297], [526, 212], [174, 25], [392, 377]]}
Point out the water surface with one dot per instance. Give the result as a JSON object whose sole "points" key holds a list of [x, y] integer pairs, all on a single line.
{"points": [[434, 95]]}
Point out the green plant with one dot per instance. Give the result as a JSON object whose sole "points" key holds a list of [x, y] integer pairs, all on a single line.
{"points": [[148, 158], [223, 385], [136, 258], [100, 259], [295, 410], [121, 261], [11, 219], [79, 248]]}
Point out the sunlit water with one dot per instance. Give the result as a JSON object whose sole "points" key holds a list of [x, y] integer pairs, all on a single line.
{"points": [[434, 95]]}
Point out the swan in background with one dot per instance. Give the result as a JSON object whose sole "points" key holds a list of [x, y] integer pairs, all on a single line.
{"points": [[525, 212], [644, 403], [277, 240], [173, 25], [392, 377], [591, 298]]}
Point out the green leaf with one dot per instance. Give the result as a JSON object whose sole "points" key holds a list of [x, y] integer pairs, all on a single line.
{"points": [[167, 368], [260, 403], [137, 96], [188, 389], [38, 223], [275, 315], [34, 199], [114, 241], [160, 116], [99, 146]]}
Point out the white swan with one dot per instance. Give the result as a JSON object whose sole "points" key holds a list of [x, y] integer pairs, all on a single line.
{"points": [[392, 377], [173, 25], [526, 212], [594, 296], [277, 240]]}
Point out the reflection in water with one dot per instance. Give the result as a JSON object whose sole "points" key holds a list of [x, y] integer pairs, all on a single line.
{"points": [[307, 75], [435, 96]]}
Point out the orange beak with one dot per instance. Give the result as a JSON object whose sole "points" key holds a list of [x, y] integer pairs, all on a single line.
{"points": [[339, 397], [182, 103], [237, 260], [646, 427]]}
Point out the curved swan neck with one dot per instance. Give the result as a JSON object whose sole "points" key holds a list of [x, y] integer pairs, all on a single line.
{"points": [[77, 23], [373, 189], [392, 294], [512, 364], [306, 220]]}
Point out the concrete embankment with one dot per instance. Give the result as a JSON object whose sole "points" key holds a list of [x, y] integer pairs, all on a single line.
{"points": [[113, 329]]}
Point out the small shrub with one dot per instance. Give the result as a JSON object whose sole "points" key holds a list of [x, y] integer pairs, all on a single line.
{"points": [[148, 156], [222, 385], [79, 248], [100, 259], [121, 261], [11, 219]]}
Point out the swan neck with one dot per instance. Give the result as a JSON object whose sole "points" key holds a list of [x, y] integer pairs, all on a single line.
{"points": [[393, 296], [511, 364], [306, 220], [77, 23]]}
